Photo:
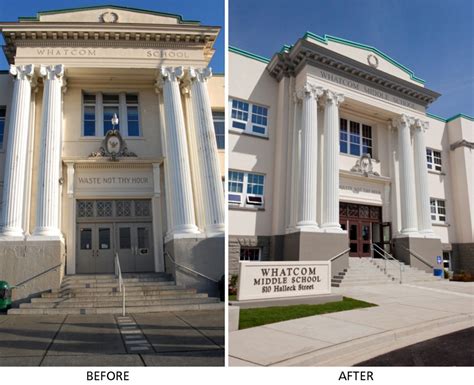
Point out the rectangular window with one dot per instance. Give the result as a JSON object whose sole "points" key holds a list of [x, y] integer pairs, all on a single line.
{"points": [[250, 253], [250, 118], [219, 128], [438, 210], [246, 189], [125, 106], [355, 138], [433, 159], [3, 113]]}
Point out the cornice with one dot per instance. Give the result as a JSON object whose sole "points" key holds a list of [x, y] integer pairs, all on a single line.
{"points": [[290, 62]]}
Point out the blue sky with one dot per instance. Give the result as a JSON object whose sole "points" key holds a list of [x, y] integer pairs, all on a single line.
{"points": [[208, 12], [434, 38]]}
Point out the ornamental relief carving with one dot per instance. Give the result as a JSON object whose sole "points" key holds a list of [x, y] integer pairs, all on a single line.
{"points": [[108, 17]]}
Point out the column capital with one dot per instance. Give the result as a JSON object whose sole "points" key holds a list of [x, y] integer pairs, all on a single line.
{"points": [[402, 120], [23, 72], [52, 72], [200, 74], [171, 74], [309, 91], [333, 97], [420, 125]]}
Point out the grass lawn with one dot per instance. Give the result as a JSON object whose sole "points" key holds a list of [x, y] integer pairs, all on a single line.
{"points": [[256, 317]]}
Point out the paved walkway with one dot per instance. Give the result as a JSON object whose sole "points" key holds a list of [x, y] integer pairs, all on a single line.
{"points": [[406, 314], [193, 338]]}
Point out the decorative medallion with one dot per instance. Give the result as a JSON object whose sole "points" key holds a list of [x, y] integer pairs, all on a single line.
{"points": [[364, 166], [373, 61], [109, 17], [113, 147]]}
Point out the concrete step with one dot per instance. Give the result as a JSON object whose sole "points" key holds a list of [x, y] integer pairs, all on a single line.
{"points": [[113, 284], [118, 303], [115, 279], [118, 310], [165, 295], [164, 290]]}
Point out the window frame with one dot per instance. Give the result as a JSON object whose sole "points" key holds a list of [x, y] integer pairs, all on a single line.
{"points": [[253, 248], [3, 119], [431, 165], [249, 123], [122, 114], [244, 195], [218, 116], [437, 215], [361, 137]]}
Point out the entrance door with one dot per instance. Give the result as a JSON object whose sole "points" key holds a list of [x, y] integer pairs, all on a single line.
{"points": [[96, 248], [135, 247], [365, 239], [353, 239]]}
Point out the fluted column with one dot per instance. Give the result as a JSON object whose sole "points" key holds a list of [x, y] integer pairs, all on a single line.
{"points": [[309, 95], [331, 162], [407, 175], [47, 217], [422, 191], [177, 153], [207, 152], [16, 154]]}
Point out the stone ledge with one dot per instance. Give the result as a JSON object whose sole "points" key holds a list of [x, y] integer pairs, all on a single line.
{"points": [[288, 301]]}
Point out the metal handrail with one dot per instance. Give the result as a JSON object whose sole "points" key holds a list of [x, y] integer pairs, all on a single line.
{"points": [[188, 268], [340, 254], [118, 274], [417, 256], [390, 259], [36, 276]]}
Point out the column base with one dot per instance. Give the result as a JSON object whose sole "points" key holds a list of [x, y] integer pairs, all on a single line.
{"points": [[410, 231], [332, 228], [309, 227], [217, 230], [45, 234], [428, 234], [12, 233]]}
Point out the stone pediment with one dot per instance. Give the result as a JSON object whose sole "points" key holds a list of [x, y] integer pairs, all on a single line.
{"points": [[107, 14]]}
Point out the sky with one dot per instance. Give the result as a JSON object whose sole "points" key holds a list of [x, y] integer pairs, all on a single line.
{"points": [[434, 38], [208, 12]]}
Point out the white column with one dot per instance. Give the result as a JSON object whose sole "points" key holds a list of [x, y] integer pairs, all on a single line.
{"points": [[213, 194], [182, 209], [71, 215], [47, 214], [331, 162], [16, 155], [421, 172], [309, 95], [407, 176]]}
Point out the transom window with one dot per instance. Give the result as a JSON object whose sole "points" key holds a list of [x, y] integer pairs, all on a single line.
{"points": [[355, 138], [433, 159], [246, 189], [3, 113], [438, 210], [250, 118], [113, 208], [219, 128], [250, 253], [99, 108]]}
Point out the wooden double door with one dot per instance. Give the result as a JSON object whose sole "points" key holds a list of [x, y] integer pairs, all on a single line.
{"points": [[364, 226]]}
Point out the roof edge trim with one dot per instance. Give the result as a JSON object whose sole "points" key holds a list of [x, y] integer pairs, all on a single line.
{"points": [[249, 54], [140, 10], [454, 117]]}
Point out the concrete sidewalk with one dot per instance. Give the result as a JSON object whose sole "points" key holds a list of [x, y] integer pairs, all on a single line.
{"points": [[191, 338], [406, 314]]}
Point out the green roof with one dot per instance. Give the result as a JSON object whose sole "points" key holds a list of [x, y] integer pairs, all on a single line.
{"points": [[468, 117], [178, 17]]}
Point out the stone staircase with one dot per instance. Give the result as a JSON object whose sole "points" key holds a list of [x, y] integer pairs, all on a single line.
{"points": [[99, 294], [370, 271]]}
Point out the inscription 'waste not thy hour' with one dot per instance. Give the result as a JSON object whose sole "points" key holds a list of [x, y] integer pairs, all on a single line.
{"points": [[113, 180]]}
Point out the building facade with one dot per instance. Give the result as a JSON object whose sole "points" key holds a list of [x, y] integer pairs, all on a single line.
{"points": [[108, 118], [332, 151]]}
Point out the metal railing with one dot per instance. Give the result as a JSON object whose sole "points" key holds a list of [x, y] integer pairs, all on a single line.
{"points": [[188, 268], [21, 284], [418, 257], [387, 258], [340, 254], [118, 274]]}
